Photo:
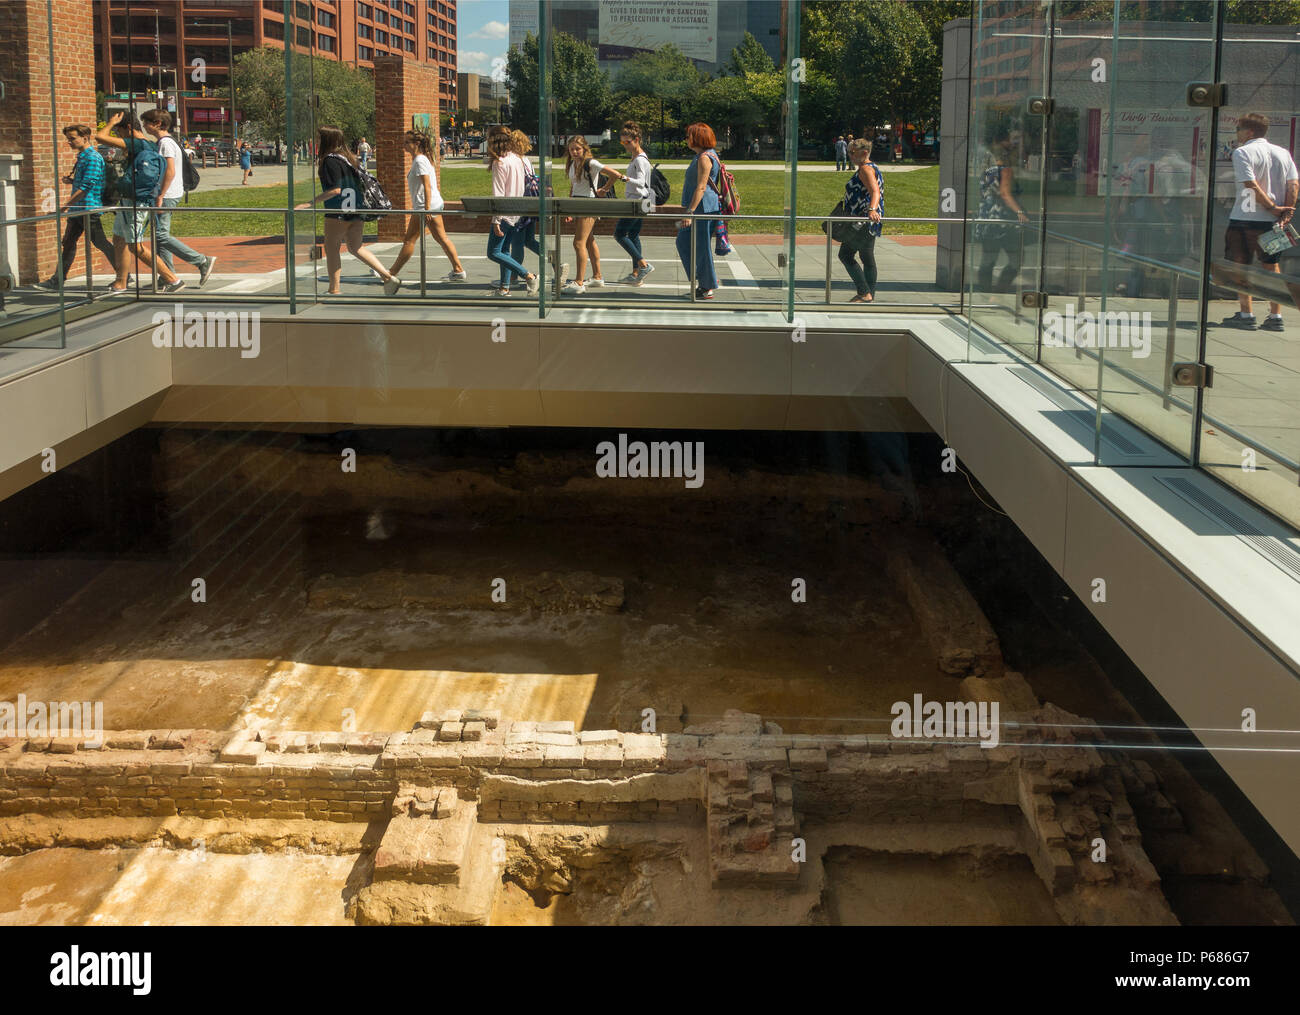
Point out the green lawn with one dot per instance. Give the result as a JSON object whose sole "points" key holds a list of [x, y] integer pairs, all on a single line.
{"points": [[762, 192]]}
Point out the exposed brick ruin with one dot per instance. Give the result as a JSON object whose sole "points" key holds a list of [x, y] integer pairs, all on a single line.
{"points": [[444, 790]]}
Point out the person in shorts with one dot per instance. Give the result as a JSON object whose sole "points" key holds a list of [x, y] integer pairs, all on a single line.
{"points": [[131, 223], [157, 124], [1267, 188]]}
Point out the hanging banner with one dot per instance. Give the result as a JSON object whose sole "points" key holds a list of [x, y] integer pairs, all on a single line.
{"points": [[631, 26]]}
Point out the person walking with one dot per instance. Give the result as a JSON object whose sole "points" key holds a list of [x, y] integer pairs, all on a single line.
{"points": [[526, 235], [363, 152], [245, 160], [426, 202], [700, 194], [157, 124], [507, 169], [997, 232], [87, 182], [131, 223], [1267, 188], [841, 153], [340, 191], [585, 174], [864, 196], [627, 232]]}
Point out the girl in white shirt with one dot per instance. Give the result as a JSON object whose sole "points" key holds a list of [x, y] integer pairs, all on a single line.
{"points": [[585, 181], [425, 201], [627, 232]]}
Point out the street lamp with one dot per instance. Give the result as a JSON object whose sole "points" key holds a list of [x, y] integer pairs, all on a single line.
{"points": [[230, 70]]}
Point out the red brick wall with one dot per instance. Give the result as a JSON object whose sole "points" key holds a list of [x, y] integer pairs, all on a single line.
{"points": [[402, 89], [27, 128]]}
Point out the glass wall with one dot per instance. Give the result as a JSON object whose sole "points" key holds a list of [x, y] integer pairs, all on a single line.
{"points": [[1130, 162]]}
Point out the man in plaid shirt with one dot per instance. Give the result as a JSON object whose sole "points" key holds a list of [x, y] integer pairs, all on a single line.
{"points": [[87, 182]]}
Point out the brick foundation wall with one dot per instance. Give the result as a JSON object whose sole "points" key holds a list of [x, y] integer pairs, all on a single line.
{"points": [[402, 89], [27, 128]]}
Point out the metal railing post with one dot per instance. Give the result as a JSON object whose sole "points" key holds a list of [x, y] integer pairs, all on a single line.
{"points": [[1171, 338], [694, 258], [90, 275], [830, 228], [288, 256], [153, 252], [424, 226]]}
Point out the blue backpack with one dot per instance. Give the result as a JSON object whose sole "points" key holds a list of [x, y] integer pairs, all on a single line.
{"points": [[143, 176]]}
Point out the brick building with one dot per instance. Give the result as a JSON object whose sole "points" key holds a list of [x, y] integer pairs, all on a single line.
{"points": [[149, 45]]}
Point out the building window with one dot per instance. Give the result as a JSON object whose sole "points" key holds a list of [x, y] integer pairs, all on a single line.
{"points": [[433, 54], [363, 31], [409, 9], [381, 38], [302, 11], [364, 11], [324, 17], [325, 43], [303, 36], [381, 18], [273, 29], [365, 53], [408, 45]]}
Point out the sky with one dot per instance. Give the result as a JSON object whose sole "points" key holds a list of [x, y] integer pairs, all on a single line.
{"points": [[482, 32]]}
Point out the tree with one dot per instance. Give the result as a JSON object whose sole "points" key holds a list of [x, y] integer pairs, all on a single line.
{"points": [[579, 88], [879, 51], [738, 107], [749, 57], [655, 85], [346, 95]]}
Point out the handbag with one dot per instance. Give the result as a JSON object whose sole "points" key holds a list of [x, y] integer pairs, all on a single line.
{"points": [[841, 232]]}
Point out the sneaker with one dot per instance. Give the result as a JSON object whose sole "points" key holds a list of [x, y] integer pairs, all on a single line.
{"points": [[632, 278], [502, 290], [392, 285], [534, 283], [646, 271], [1240, 320], [48, 284], [575, 287], [1273, 322], [455, 276], [175, 287], [205, 271], [596, 283], [704, 294]]}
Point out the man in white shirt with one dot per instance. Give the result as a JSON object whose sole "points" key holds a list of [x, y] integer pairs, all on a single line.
{"points": [[157, 123], [1267, 187]]}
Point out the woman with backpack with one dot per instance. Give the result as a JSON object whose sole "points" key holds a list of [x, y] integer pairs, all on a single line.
{"points": [[627, 232], [340, 188], [426, 202], [864, 196], [138, 190], [700, 194], [508, 174], [585, 174]]}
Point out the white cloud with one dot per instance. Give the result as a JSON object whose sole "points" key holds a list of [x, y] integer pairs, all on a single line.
{"points": [[492, 30], [473, 61]]}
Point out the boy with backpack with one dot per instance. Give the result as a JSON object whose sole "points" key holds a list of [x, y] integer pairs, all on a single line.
{"points": [[138, 188], [179, 177]]}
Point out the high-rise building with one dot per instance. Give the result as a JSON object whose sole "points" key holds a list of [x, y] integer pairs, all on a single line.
{"points": [[146, 51]]}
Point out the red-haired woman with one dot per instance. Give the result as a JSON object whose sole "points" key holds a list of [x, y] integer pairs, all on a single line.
{"points": [[700, 195]]}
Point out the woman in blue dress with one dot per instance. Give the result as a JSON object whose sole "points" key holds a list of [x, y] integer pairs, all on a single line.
{"points": [[864, 196], [700, 195], [245, 160]]}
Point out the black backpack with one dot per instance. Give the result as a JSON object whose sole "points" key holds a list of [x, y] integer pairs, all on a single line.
{"points": [[659, 185], [371, 193], [189, 175]]}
